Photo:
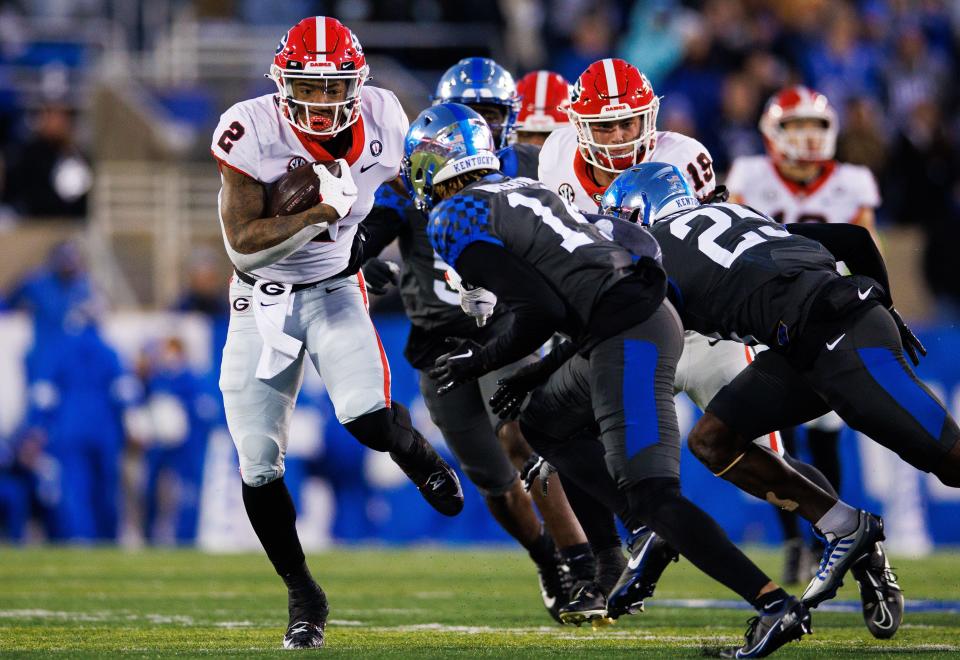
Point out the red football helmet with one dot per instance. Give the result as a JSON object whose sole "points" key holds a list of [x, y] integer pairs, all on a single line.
{"points": [[544, 97], [801, 144], [320, 49], [613, 90]]}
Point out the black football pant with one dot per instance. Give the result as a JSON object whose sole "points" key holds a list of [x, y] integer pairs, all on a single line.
{"points": [[624, 389], [859, 370]]}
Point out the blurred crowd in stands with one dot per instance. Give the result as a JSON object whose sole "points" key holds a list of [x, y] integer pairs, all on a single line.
{"points": [[891, 68]]}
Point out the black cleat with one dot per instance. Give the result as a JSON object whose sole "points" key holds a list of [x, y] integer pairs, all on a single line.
{"points": [[587, 603], [649, 557], [880, 595], [555, 585], [768, 632], [433, 476], [841, 554], [308, 619]]}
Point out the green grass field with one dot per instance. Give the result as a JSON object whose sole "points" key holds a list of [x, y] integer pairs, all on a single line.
{"points": [[427, 602]]}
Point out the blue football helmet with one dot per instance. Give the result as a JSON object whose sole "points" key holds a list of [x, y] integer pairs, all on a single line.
{"points": [[648, 192], [481, 81], [443, 142]]}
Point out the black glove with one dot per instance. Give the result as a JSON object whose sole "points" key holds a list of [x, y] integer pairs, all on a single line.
{"points": [[379, 274], [719, 194], [911, 345], [459, 366], [513, 390], [535, 468], [508, 398]]}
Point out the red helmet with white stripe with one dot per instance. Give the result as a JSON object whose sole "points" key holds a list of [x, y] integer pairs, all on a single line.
{"points": [[611, 91], [807, 141], [544, 97], [325, 52]]}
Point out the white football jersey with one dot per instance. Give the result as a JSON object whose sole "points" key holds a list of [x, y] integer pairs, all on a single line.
{"points": [[254, 139], [564, 171], [837, 195]]}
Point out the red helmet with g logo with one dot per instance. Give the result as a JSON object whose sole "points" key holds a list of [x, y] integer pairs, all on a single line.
{"points": [[613, 90], [544, 97], [320, 49]]}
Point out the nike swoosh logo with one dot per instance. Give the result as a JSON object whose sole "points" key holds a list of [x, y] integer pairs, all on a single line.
{"points": [[268, 304], [863, 294], [549, 601], [365, 168], [469, 353], [833, 344], [637, 559]]}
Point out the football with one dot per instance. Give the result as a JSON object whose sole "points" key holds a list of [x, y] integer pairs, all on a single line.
{"points": [[297, 190]]}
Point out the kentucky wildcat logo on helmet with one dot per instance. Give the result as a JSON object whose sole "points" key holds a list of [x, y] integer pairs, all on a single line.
{"points": [[612, 90], [319, 69], [648, 192], [443, 142]]}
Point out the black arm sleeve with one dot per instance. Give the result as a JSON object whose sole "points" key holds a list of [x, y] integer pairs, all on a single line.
{"points": [[537, 310], [380, 227], [851, 244]]}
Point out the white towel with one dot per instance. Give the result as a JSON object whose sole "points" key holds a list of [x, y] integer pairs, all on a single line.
{"points": [[270, 311]]}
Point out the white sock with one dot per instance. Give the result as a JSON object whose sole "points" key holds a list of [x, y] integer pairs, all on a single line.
{"points": [[840, 520]]}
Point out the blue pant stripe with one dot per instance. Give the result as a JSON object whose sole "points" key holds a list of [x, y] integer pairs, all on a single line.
{"points": [[639, 399], [897, 381]]}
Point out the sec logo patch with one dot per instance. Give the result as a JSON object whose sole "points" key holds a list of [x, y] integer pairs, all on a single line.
{"points": [[566, 191], [296, 162], [376, 148]]}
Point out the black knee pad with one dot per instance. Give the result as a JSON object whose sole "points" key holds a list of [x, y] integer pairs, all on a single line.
{"points": [[650, 499], [387, 429]]}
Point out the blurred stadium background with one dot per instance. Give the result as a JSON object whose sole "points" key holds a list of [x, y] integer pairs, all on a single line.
{"points": [[113, 278]]}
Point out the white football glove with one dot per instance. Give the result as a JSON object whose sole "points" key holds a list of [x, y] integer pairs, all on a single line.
{"points": [[478, 303], [475, 302], [339, 192]]}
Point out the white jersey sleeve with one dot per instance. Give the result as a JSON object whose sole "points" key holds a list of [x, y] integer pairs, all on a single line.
{"points": [[690, 157], [235, 141], [862, 185], [388, 116]]}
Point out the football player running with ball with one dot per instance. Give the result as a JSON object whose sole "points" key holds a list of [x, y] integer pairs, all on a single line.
{"points": [[558, 273], [297, 294]]}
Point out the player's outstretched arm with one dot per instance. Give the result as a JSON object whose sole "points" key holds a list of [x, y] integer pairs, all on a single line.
{"points": [[851, 244], [255, 241]]}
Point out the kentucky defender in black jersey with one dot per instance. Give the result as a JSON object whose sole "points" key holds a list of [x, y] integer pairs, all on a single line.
{"points": [[556, 272], [835, 343], [489, 451]]}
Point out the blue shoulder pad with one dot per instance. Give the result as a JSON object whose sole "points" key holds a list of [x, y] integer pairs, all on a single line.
{"points": [[388, 197], [457, 222], [509, 161]]}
